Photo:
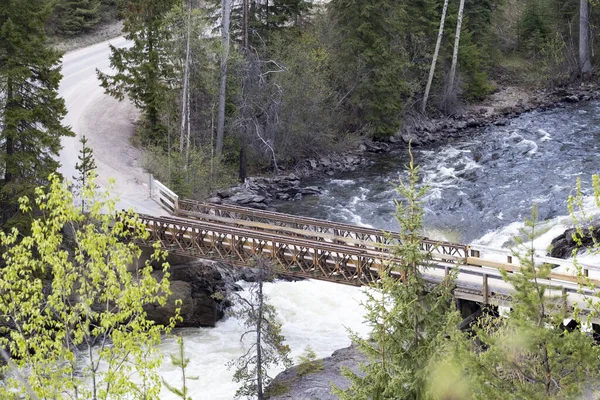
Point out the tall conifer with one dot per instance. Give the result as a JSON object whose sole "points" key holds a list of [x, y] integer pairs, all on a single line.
{"points": [[411, 318], [30, 109], [144, 71], [76, 16]]}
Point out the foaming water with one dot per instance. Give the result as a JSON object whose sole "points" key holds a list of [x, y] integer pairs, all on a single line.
{"points": [[481, 188], [312, 313], [479, 184]]}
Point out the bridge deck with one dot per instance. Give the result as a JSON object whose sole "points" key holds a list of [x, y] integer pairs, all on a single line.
{"points": [[337, 252], [320, 254]]}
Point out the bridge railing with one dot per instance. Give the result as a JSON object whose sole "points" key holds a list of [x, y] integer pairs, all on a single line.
{"points": [[306, 226], [164, 196], [334, 262]]}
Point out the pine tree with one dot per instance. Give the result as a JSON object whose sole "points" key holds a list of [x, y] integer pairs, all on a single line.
{"points": [[181, 362], [530, 354], [144, 71], [370, 61], [86, 167], [267, 346], [76, 16], [31, 112], [410, 318]]}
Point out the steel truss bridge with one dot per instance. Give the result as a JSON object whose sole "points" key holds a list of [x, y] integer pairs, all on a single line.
{"points": [[336, 252]]}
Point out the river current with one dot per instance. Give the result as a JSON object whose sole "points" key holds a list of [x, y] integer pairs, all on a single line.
{"points": [[480, 188]]}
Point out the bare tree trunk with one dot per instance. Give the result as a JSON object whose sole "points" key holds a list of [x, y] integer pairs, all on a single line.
{"points": [[585, 65], [225, 15], [456, 44], [435, 56], [185, 113], [245, 25]]}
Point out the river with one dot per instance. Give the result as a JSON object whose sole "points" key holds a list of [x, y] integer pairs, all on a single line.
{"points": [[481, 188]]}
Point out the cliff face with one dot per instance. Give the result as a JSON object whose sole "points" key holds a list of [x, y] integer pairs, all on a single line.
{"points": [[289, 384]]}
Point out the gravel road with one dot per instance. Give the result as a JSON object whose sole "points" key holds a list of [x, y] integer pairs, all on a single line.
{"points": [[108, 125]]}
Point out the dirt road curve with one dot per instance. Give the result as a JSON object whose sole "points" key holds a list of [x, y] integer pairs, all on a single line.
{"points": [[108, 125]]}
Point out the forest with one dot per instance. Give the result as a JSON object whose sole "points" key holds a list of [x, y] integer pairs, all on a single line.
{"points": [[233, 88]]}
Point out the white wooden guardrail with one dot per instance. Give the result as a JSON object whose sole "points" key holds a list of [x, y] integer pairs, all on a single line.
{"points": [[164, 196]]}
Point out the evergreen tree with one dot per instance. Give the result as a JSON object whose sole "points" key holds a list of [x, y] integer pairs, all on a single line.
{"points": [[410, 318], [76, 16], [267, 346], [181, 362], [370, 63], [31, 112], [530, 354], [86, 167], [144, 72]]}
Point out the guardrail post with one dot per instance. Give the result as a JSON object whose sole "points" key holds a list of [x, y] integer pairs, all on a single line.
{"points": [[150, 179], [485, 289]]}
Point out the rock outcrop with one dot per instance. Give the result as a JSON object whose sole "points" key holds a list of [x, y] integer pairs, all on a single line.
{"points": [[203, 287], [317, 385], [563, 245], [259, 192]]}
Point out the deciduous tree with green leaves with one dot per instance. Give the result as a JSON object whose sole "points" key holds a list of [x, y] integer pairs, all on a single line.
{"points": [[72, 301], [411, 319], [31, 112]]}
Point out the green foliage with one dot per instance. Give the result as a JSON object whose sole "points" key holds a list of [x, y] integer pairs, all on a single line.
{"points": [[369, 64], [309, 118], [86, 167], [77, 16], [411, 319], [74, 320], [31, 112], [266, 347], [144, 72], [180, 361], [197, 180], [308, 363], [530, 355]]}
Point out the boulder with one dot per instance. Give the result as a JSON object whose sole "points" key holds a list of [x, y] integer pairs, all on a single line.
{"points": [[317, 385], [311, 190], [562, 246], [202, 286]]}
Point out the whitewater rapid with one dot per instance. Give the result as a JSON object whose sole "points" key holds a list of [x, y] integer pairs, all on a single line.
{"points": [[480, 189]]}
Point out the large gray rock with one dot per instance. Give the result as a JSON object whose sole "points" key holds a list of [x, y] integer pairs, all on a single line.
{"points": [[317, 385], [202, 286], [563, 245]]}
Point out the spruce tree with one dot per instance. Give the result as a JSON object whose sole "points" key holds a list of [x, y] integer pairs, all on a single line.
{"points": [[410, 318], [76, 16], [144, 71], [86, 167], [267, 347], [530, 354], [370, 61], [31, 112]]}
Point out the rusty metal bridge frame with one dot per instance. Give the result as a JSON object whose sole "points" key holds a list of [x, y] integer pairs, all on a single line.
{"points": [[336, 252]]}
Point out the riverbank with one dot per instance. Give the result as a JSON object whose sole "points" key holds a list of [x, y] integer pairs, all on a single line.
{"points": [[498, 109]]}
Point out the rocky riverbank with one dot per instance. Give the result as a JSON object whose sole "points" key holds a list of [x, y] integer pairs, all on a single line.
{"points": [[497, 109]]}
